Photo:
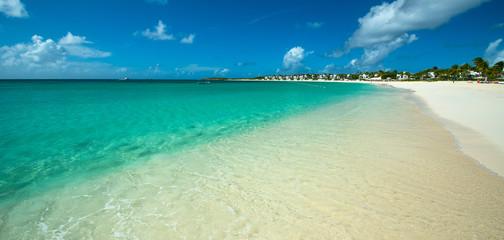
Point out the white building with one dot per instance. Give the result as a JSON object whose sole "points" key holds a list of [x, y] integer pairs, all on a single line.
{"points": [[402, 76], [474, 74]]}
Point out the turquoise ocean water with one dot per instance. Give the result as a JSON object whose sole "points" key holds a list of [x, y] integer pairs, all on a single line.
{"points": [[56, 134], [53, 130]]}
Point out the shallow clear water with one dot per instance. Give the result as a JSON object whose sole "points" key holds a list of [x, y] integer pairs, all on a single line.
{"points": [[127, 160], [51, 130]]}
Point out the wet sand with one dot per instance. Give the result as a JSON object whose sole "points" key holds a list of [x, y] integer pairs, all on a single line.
{"points": [[472, 112]]}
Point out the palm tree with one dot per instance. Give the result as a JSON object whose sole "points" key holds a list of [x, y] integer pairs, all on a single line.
{"points": [[499, 65], [435, 70], [465, 69], [454, 71], [497, 69], [484, 69], [481, 65]]}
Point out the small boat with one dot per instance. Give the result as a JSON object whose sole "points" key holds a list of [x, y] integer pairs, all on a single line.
{"points": [[204, 82], [124, 79]]}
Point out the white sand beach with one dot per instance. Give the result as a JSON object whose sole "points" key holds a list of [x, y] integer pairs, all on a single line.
{"points": [[472, 112]]}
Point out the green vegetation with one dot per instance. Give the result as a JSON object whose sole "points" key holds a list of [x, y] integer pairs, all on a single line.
{"points": [[479, 70]]}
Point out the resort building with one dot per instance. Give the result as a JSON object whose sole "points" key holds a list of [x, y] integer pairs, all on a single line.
{"points": [[403, 76]]}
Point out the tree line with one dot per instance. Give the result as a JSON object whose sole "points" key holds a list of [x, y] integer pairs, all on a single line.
{"points": [[455, 72], [463, 72]]}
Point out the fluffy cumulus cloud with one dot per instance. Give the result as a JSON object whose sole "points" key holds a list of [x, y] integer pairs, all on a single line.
{"points": [[36, 53], [492, 54], [159, 34], [70, 39], [293, 59], [189, 39], [386, 27], [46, 55], [13, 8]]}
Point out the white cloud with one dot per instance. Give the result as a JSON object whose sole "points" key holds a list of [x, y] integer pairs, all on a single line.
{"points": [[314, 25], [329, 68], [492, 55], [46, 56], [352, 63], [386, 26], [375, 54], [387, 22], [37, 53], [73, 46], [71, 39], [189, 39], [159, 34], [222, 72], [13, 8], [160, 2], [84, 52], [293, 59]]}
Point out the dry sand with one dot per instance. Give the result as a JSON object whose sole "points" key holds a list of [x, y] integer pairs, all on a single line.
{"points": [[472, 112]]}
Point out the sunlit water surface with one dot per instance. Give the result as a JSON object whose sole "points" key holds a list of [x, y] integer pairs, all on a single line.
{"points": [[128, 160]]}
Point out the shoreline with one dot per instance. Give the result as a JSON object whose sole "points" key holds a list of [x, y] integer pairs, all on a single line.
{"points": [[472, 113]]}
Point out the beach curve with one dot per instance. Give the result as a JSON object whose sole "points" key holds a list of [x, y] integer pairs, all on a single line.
{"points": [[472, 112]]}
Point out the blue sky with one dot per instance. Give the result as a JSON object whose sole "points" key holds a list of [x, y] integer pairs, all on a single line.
{"points": [[180, 39]]}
